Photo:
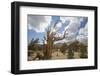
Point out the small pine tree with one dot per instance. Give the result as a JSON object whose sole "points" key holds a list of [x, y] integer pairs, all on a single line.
{"points": [[70, 54], [64, 48], [83, 51]]}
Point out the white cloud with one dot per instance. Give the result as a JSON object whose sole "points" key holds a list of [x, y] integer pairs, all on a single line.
{"points": [[38, 23], [30, 27], [59, 25], [83, 34], [84, 31], [72, 27], [64, 19]]}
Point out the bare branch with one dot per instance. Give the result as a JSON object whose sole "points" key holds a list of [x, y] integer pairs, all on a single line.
{"points": [[54, 27], [60, 38]]}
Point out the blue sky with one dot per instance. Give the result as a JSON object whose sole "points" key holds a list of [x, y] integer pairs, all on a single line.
{"points": [[77, 26]]}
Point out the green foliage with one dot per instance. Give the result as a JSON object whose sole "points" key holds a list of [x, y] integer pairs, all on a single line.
{"points": [[64, 47], [74, 46], [83, 51], [79, 47], [70, 54]]}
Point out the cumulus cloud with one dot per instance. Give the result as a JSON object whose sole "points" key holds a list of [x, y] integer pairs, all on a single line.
{"points": [[38, 23], [73, 28], [73, 25], [83, 34], [59, 24], [84, 31]]}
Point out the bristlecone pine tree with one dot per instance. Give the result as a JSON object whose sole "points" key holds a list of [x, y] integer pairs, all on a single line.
{"points": [[50, 37]]}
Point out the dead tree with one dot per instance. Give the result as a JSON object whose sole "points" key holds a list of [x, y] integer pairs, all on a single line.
{"points": [[51, 37]]}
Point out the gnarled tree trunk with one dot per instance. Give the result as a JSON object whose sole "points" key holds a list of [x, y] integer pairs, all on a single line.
{"points": [[50, 39]]}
